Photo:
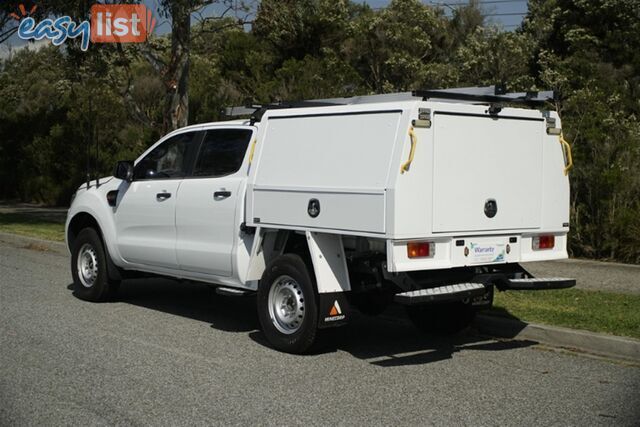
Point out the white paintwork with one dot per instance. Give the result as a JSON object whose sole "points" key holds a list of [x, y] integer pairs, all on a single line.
{"points": [[145, 226], [410, 203], [348, 157], [258, 258], [477, 158], [92, 201], [206, 226], [145, 231], [359, 211], [329, 262], [342, 157], [344, 150]]}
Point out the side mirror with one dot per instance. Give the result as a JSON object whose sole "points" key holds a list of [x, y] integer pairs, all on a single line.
{"points": [[124, 170]]}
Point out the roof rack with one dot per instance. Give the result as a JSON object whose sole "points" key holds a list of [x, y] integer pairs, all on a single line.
{"points": [[489, 94], [257, 111], [480, 95]]}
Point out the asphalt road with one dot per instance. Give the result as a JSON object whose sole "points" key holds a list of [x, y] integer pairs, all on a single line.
{"points": [[591, 275], [172, 353]]}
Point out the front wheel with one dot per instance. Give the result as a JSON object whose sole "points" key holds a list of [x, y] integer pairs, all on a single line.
{"points": [[89, 268], [287, 305]]}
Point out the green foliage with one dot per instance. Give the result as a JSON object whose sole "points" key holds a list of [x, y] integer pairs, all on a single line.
{"points": [[488, 56], [395, 45], [49, 114], [54, 102], [588, 52]]}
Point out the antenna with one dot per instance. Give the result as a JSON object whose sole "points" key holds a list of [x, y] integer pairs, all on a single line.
{"points": [[97, 163], [92, 135], [88, 142]]}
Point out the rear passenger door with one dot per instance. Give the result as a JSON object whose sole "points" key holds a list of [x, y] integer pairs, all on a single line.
{"points": [[210, 202]]}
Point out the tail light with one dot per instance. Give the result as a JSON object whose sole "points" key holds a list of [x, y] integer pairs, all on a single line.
{"points": [[543, 242], [421, 249]]}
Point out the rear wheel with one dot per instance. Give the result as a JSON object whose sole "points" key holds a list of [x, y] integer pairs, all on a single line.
{"points": [[287, 305], [89, 268], [442, 319]]}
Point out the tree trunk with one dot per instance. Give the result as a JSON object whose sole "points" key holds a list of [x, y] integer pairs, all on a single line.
{"points": [[176, 109]]}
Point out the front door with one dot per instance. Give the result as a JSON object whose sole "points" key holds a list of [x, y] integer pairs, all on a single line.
{"points": [[146, 209], [209, 202]]}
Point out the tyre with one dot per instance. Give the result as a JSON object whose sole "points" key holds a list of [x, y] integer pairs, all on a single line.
{"points": [[288, 305], [89, 268], [442, 319]]}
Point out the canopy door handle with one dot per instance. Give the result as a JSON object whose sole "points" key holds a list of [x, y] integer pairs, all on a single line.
{"points": [[568, 158], [414, 141]]}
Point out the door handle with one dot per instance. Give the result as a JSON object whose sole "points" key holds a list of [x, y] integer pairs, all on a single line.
{"points": [[161, 197], [221, 194]]}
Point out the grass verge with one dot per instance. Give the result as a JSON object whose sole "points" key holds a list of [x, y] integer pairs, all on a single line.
{"points": [[32, 226], [616, 314]]}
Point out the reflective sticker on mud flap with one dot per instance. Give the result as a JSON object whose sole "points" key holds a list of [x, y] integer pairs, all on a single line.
{"points": [[334, 310]]}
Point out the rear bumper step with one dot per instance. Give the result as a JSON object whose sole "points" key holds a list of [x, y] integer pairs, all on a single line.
{"points": [[455, 292], [538, 284], [461, 291]]}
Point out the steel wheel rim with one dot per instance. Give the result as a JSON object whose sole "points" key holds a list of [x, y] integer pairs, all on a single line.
{"points": [[286, 305], [87, 265]]}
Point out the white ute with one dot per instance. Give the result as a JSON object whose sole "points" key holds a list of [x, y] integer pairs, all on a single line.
{"points": [[429, 199]]}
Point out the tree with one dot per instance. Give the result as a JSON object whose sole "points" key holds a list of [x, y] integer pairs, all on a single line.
{"points": [[392, 47], [489, 56], [174, 70], [588, 51]]}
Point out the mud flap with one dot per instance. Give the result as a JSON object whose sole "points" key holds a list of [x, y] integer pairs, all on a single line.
{"points": [[333, 310]]}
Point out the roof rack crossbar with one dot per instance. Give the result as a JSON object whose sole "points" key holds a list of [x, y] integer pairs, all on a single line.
{"points": [[485, 95], [489, 94]]}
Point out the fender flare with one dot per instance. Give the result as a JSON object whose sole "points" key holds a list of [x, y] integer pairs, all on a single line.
{"points": [[113, 272]]}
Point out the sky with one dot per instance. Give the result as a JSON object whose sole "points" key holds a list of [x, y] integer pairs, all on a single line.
{"points": [[506, 13]]}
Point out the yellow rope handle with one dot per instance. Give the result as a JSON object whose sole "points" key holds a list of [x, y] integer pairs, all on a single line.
{"points": [[568, 157], [253, 149], [406, 165]]}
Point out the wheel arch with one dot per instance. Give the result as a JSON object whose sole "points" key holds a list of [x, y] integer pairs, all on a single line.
{"points": [[323, 253], [82, 220], [78, 222]]}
